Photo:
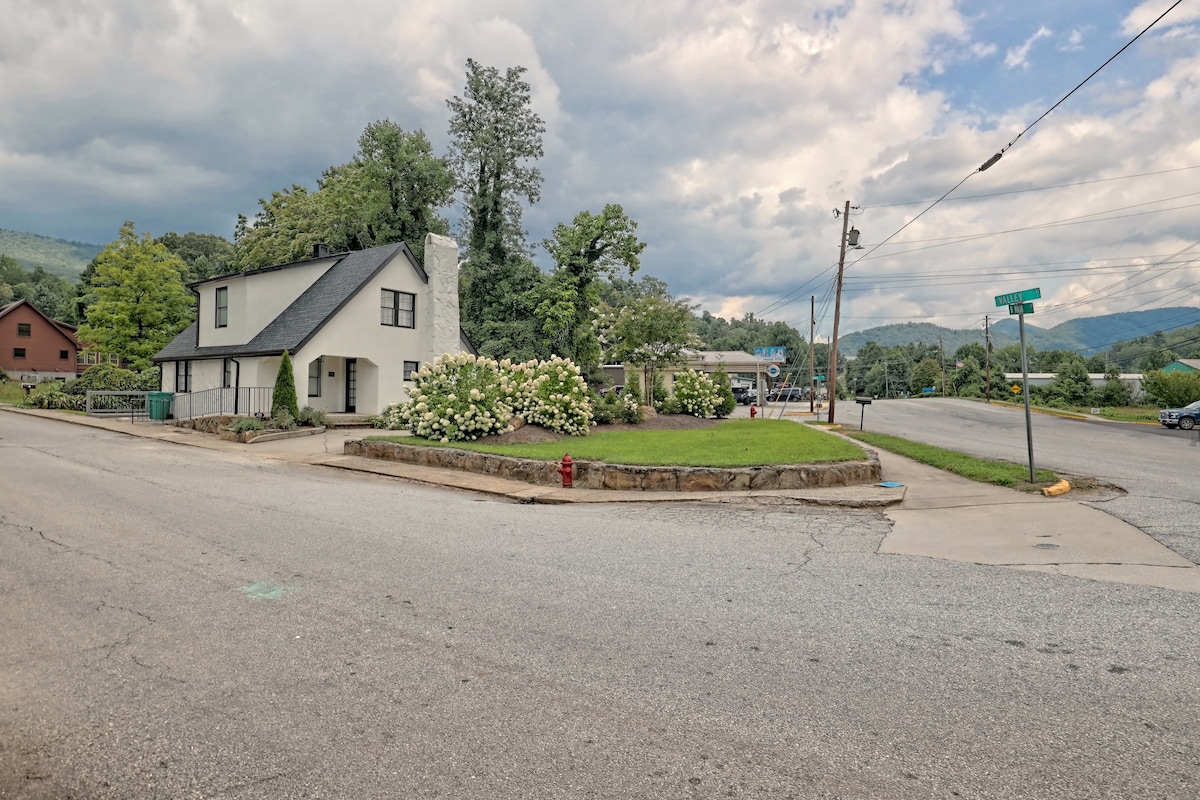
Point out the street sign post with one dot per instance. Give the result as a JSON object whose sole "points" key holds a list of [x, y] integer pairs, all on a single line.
{"points": [[1018, 297], [1019, 303]]}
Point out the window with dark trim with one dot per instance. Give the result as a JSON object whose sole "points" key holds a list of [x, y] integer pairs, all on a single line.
{"points": [[222, 306], [18, 352], [409, 368], [314, 377], [398, 309], [183, 376], [24, 329], [64, 355], [227, 373]]}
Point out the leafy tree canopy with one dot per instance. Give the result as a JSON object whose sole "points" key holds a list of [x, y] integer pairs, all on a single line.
{"points": [[592, 247], [494, 137], [389, 192], [650, 333], [141, 302], [205, 254]]}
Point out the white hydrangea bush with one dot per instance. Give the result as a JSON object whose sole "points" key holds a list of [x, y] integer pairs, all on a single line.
{"points": [[696, 394], [459, 397], [552, 394]]}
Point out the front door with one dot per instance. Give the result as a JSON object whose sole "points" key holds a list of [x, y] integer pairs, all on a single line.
{"points": [[351, 385]]}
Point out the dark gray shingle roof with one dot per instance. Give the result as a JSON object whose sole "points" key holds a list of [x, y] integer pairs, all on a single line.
{"points": [[300, 321]]}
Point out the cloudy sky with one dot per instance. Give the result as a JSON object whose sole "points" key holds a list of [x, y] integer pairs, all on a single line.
{"points": [[729, 129]]}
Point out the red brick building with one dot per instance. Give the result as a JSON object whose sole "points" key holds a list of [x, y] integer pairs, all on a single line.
{"points": [[33, 344]]}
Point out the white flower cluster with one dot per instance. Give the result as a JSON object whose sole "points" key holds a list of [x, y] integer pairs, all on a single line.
{"points": [[457, 398], [460, 397], [696, 394], [552, 394]]}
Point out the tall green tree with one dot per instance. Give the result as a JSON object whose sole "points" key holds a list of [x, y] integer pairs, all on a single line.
{"points": [[496, 311], [389, 192], [405, 184], [494, 138], [140, 299], [591, 248]]}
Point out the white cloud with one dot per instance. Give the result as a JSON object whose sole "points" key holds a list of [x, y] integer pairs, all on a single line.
{"points": [[1018, 56], [729, 131]]}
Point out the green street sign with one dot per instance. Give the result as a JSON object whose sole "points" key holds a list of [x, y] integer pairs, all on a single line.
{"points": [[1020, 308], [1018, 297], [818, 377]]}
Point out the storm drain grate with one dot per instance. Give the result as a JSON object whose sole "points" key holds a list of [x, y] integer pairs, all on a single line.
{"points": [[1046, 546]]}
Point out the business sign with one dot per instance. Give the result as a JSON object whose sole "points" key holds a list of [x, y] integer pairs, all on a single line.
{"points": [[927, 390], [773, 370], [778, 354], [1018, 297]]}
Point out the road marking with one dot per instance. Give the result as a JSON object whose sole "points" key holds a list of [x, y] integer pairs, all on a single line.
{"points": [[267, 590]]}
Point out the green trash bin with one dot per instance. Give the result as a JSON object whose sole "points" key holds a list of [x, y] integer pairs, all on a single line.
{"points": [[158, 405]]}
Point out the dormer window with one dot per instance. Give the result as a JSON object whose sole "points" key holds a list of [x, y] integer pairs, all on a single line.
{"points": [[222, 306]]}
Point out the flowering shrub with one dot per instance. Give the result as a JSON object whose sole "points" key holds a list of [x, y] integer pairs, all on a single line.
{"points": [[552, 394], [631, 409], [696, 394], [461, 397], [457, 398]]}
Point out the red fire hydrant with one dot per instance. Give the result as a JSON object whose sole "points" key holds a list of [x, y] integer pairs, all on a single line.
{"points": [[753, 411], [565, 469]]}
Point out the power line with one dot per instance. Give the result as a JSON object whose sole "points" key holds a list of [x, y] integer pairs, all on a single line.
{"points": [[1034, 188], [995, 158]]}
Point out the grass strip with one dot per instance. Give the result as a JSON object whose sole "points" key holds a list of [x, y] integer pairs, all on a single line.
{"points": [[984, 470], [730, 443]]}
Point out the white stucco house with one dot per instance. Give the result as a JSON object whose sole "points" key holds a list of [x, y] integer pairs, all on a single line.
{"points": [[356, 325]]}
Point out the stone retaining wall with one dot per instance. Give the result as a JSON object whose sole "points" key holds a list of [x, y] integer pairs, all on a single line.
{"points": [[598, 475]]}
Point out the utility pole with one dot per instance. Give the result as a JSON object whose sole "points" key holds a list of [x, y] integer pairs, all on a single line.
{"points": [[837, 314], [987, 359], [812, 326]]}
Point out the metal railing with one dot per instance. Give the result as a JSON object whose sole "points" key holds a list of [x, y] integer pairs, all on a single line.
{"points": [[117, 404], [254, 401]]}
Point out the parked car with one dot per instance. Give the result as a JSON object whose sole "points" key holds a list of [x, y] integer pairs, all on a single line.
{"points": [[791, 394], [743, 395], [1184, 418]]}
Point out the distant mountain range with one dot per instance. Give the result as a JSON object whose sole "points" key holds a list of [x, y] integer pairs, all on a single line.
{"points": [[56, 256], [1087, 335]]}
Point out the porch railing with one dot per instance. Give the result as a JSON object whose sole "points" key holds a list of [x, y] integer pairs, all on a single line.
{"points": [[254, 401]]}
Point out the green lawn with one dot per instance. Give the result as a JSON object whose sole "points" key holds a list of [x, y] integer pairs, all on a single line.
{"points": [[730, 443], [11, 392], [1001, 473]]}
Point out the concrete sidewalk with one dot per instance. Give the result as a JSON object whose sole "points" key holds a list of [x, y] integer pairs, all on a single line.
{"points": [[934, 514]]}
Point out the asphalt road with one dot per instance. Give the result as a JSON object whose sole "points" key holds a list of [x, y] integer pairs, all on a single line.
{"points": [[1158, 468], [178, 623]]}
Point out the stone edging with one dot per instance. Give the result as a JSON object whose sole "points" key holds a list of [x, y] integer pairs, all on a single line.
{"points": [[598, 475]]}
